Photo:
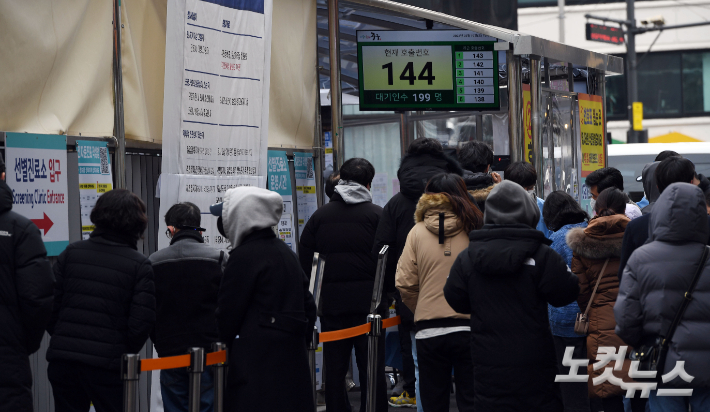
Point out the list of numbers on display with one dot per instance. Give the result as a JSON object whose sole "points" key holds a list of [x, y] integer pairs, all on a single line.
{"points": [[474, 75]]}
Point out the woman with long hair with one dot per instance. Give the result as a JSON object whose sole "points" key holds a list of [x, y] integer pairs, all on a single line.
{"points": [[444, 216], [596, 251], [561, 214]]}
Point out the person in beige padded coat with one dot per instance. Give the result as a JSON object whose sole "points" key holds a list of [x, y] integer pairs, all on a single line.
{"points": [[444, 216]]}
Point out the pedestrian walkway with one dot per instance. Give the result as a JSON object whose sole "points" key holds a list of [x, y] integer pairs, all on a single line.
{"points": [[354, 397]]}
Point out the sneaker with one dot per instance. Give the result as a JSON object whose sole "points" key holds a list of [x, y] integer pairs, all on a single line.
{"points": [[403, 401]]}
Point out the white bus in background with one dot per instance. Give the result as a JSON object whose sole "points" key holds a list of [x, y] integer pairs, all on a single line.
{"points": [[631, 158]]}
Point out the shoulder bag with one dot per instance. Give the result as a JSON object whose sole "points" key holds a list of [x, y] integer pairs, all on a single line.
{"points": [[581, 324], [651, 354]]}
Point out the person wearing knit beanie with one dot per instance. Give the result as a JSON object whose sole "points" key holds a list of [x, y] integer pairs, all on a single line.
{"points": [[510, 204]]}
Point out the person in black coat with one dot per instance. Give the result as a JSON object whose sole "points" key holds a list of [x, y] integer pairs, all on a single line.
{"points": [[344, 231], [104, 306], [476, 159], [505, 280], [26, 295], [265, 313], [674, 169], [425, 158], [187, 277]]}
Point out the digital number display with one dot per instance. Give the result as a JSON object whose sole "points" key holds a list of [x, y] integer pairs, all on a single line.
{"points": [[421, 75]]}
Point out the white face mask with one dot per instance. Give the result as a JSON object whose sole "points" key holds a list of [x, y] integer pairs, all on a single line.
{"points": [[592, 203]]}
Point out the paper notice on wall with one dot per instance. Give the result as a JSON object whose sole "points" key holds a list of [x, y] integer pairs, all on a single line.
{"points": [[395, 186], [216, 105], [591, 122], [280, 182], [379, 189], [94, 179], [328, 143], [36, 167], [305, 188]]}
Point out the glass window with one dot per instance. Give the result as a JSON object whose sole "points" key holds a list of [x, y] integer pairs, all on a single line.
{"points": [[696, 82], [670, 84]]}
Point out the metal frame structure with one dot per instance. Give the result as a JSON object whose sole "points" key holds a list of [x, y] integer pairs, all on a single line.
{"points": [[518, 46]]}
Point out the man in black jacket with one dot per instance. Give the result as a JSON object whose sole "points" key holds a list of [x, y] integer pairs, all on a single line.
{"points": [[476, 159], [187, 277], [425, 158], [26, 295], [104, 307], [344, 232], [671, 170]]}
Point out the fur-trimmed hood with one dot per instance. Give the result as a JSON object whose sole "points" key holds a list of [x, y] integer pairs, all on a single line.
{"points": [[602, 239], [429, 209], [480, 195]]}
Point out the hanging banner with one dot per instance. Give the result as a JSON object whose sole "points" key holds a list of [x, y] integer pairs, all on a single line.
{"points": [[328, 143], [591, 122], [280, 182], [306, 197], [36, 172], [95, 179], [216, 101]]}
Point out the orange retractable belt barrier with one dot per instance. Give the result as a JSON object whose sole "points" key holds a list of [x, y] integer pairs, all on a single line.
{"points": [[216, 357], [181, 361], [172, 362], [356, 331]]}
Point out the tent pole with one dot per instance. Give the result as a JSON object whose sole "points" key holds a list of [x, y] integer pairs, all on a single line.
{"points": [[119, 130], [336, 97]]}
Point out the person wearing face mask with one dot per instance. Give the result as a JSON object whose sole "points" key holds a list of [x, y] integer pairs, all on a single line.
{"points": [[524, 174], [265, 313], [187, 277], [605, 178]]}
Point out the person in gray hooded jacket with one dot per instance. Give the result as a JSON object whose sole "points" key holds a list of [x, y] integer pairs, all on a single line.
{"points": [[265, 312], [344, 231], [655, 280]]}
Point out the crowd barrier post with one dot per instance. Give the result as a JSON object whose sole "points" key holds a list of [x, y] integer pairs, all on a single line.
{"points": [[375, 333], [197, 366], [218, 374], [314, 287], [130, 373]]}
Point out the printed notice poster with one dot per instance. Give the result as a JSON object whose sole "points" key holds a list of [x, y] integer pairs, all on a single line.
{"points": [[36, 167], [379, 189], [216, 105], [527, 123], [280, 182], [306, 198], [591, 122], [94, 179], [328, 143]]}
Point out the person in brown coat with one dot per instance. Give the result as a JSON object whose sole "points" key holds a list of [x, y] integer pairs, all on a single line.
{"points": [[444, 216], [597, 244]]}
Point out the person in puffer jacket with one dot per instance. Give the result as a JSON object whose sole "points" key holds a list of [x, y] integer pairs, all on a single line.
{"points": [[505, 280], [655, 280], [561, 214], [601, 242], [444, 217], [476, 159], [104, 307], [26, 295]]}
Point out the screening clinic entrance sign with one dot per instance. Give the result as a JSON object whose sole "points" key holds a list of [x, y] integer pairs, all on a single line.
{"points": [[36, 172], [216, 103], [280, 182], [591, 126]]}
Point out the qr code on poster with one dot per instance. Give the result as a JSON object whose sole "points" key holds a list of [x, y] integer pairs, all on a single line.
{"points": [[309, 168], [103, 157]]}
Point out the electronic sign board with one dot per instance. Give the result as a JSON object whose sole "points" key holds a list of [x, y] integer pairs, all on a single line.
{"points": [[427, 70], [604, 34]]}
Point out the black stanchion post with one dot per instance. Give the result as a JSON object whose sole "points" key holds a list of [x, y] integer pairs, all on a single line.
{"points": [[197, 366], [375, 331], [218, 373], [314, 287], [130, 373]]}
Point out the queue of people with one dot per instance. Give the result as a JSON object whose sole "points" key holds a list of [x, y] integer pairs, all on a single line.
{"points": [[491, 283]]}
